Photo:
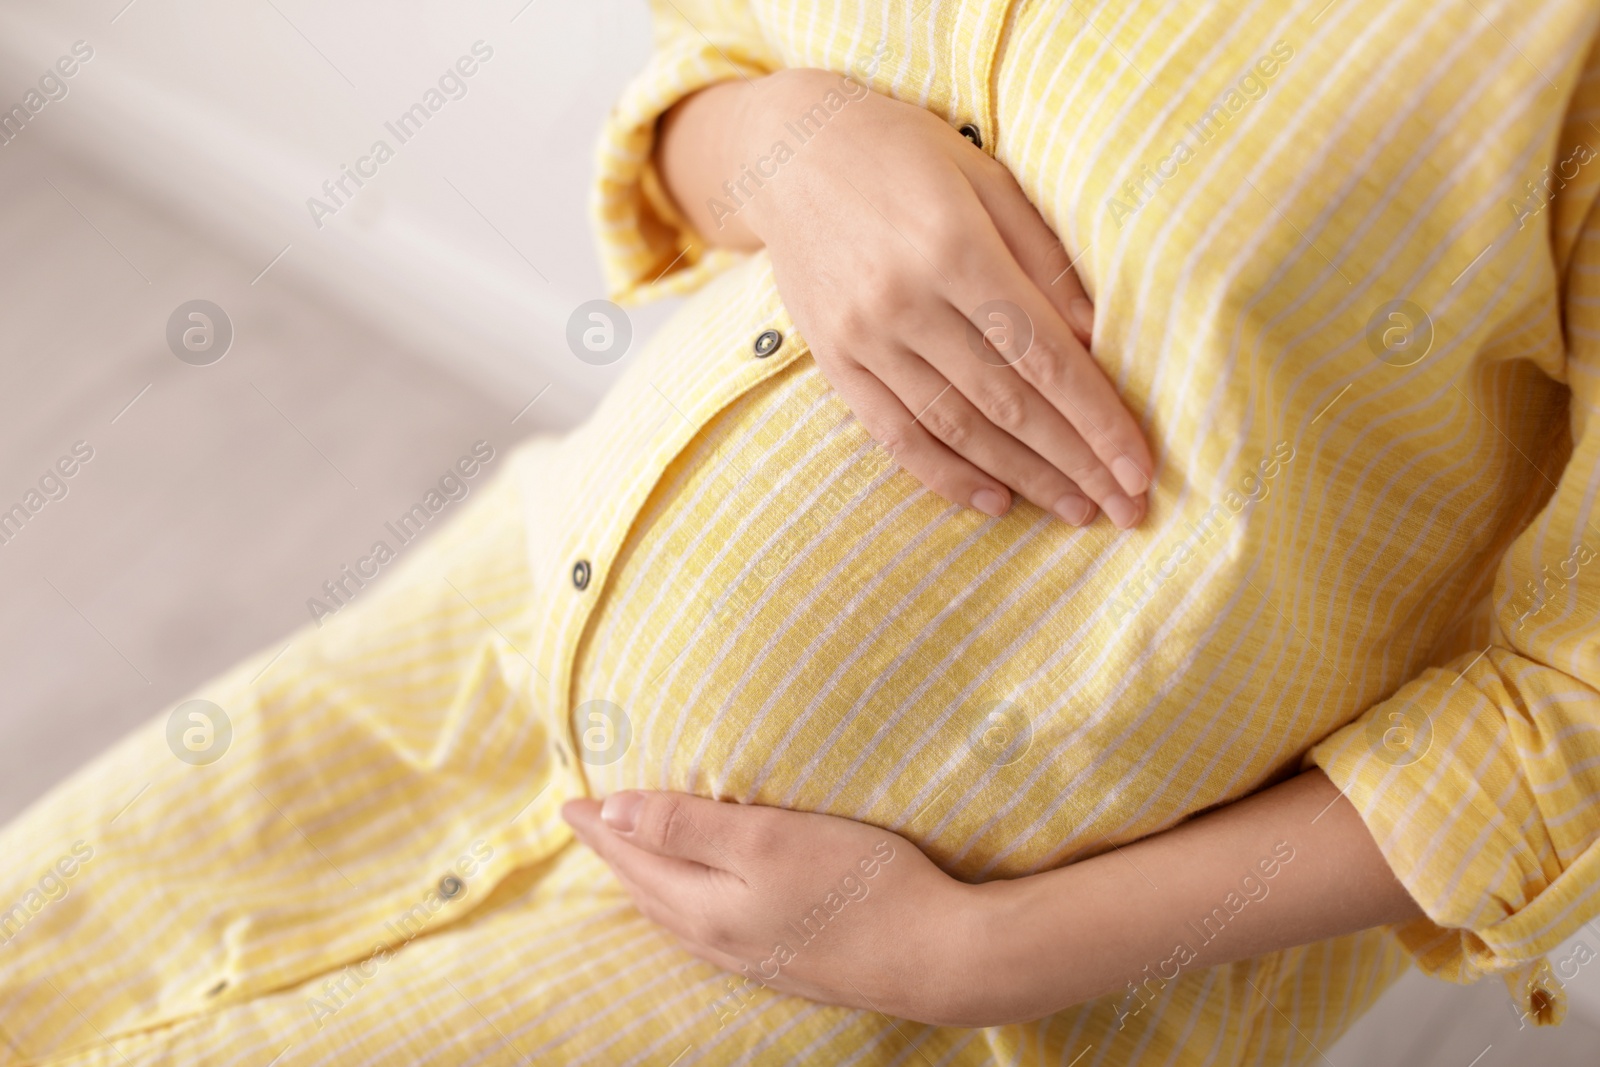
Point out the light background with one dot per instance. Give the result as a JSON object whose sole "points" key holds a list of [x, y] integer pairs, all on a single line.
{"points": [[369, 352]]}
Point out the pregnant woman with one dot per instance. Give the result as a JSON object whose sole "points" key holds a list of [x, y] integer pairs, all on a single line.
{"points": [[955, 696]]}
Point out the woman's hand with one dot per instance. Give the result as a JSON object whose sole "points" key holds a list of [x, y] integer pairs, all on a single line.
{"points": [[933, 296], [846, 913], [818, 906]]}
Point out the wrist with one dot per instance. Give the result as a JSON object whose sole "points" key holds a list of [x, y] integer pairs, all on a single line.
{"points": [[1039, 944], [763, 135], [700, 148], [993, 957]]}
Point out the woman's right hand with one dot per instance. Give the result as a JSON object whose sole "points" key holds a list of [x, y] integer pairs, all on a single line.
{"points": [[899, 248]]}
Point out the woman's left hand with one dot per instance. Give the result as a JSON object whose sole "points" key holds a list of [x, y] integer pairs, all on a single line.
{"points": [[814, 905]]}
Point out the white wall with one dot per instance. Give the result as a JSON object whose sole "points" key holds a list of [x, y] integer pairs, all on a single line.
{"points": [[235, 114]]}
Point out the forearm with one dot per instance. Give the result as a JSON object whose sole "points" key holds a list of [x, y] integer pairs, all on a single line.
{"points": [[697, 149], [707, 142], [1195, 896]]}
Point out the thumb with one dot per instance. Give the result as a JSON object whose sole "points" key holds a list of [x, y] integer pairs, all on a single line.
{"points": [[676, 824]]}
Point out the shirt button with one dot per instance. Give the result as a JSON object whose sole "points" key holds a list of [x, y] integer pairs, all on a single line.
{"points": [[970, 132], [768, 343], [450, 887], [580, 574]]}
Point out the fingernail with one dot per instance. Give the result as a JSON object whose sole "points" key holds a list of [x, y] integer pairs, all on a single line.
{"points": [[619, 810], [1082, 313], [1129, 476], [1121, 509], [990, 502], [1075, 509]]}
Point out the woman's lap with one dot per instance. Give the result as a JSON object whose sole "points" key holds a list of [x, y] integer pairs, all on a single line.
{"points": [[380, 753], [555, 968]]}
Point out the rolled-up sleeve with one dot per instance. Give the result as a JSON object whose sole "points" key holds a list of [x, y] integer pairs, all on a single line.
{"points": [[1480, 781], [647, 249]]}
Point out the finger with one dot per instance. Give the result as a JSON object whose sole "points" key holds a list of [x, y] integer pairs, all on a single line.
{"points": [[681, 886], [951, 418], [1046, 356], [1056, 362], [699, 941], [650, 904], [922, 455], [683, 826], [1034, 246], [1013, 404], [715, 956]]}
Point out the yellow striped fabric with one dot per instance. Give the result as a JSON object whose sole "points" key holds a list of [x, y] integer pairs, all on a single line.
{"points": [[1347, 275]]}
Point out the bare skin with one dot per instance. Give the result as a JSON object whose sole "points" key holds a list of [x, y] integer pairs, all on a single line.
{"points": [[890, 237]]}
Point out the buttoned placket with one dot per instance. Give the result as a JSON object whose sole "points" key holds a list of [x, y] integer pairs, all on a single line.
{"points": [[589, 549], [974, 47]]}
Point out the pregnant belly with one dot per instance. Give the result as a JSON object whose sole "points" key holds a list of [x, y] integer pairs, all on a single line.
{"points": [[796, 622]]}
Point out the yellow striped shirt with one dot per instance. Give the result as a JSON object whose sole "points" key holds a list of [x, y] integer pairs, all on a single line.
{"points": [[1346, 275]]}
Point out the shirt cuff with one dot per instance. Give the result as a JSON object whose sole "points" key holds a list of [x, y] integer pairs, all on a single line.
{"points": [[1442, 775], [647, 249]]}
